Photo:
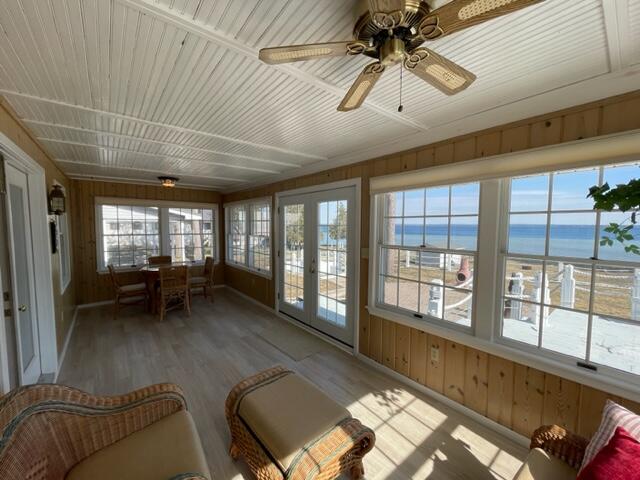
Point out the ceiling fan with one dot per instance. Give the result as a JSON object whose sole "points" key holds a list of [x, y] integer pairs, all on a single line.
{"points": [[393, 31]]}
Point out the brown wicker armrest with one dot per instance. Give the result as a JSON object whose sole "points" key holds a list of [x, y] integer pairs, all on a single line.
{"points": [[47, 429], [560, 443]]}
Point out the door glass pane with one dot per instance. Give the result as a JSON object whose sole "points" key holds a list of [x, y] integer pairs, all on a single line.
{"points": [[332, 261], [294, 255], [27, 346]]}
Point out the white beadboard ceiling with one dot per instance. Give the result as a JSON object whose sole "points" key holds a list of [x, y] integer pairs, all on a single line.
{"points": [[132, 89]]}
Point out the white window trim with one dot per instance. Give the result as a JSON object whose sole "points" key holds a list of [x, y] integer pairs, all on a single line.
{"points": [[486, 324], [63, 221], [247, 204], [164, 236]]}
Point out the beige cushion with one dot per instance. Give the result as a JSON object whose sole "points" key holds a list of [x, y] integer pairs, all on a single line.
{"points": [[134, 287], [163, 450], [197, 280], [289, 413], [539, 465]]}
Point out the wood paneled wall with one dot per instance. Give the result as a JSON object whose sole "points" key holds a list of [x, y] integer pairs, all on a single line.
{"points": [[64, 303], [91, 285], [514, 395]]}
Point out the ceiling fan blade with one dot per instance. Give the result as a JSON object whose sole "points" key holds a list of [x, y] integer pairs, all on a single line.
{"points": [[460, 14], [445, 75], [299, 53], [361, 87]]}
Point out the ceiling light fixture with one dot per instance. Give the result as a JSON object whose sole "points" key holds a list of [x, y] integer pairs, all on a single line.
{"points": [[168, 182]]}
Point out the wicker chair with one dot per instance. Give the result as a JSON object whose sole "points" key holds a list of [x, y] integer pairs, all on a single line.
{"points": [[560, 443], [160, 260], [205, 282], [555, 454], [174, 289], [49, 430], [126, 295]]}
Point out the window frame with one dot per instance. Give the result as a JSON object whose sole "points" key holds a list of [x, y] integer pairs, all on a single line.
{"points": [[485, 334], [593, 262], [379, 244], [247, 206], [64, 251], [163, 226]]}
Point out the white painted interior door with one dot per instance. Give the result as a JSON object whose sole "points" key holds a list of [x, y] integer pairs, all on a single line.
{"points": [[22, 275], [317, 261]]}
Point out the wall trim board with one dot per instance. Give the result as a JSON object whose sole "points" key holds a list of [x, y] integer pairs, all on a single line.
{"points": [[484, 421], [67, 340]]}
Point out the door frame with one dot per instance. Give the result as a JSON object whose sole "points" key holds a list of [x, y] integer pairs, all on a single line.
{"points": [[43, 282], [353, 182]]}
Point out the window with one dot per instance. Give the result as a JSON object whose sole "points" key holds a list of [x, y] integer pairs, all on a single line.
{"points": [[563, 291], [260, 238], [427, 251], [63, 248], [128, 234], [515, 265], [237, 240], [191, 234], [249, 235]]}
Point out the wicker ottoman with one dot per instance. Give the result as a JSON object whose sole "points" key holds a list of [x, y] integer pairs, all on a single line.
{"points": [[286, 428]]}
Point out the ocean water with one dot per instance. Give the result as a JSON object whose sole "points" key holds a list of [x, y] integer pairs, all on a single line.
{"points": [[576, 241]]}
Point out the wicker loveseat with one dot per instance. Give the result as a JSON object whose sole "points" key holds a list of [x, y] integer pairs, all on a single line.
{"points": [[53, 432], [555, 454]]}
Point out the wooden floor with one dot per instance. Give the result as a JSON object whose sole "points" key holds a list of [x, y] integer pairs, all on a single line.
{"points": [[220, 344]]}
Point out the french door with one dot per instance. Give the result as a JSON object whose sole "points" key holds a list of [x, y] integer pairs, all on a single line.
{"points": [[22, 275], [317, 260]]}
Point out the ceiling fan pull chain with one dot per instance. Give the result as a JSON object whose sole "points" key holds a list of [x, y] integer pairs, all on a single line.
{"points": [[400, 107]]}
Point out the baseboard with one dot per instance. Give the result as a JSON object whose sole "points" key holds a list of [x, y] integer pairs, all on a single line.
{"points": [[67, 340], [298, 324], [487, 422], [96, 304]]}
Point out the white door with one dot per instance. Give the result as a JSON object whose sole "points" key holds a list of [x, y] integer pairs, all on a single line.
{"points": [[317, 261], [22, 276]]}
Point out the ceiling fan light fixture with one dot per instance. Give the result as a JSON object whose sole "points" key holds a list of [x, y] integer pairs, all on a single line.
{"points": [[168, 182]]}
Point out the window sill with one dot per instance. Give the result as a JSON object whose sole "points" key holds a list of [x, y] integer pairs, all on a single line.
{"points": [[259, 273], [598, 380]]}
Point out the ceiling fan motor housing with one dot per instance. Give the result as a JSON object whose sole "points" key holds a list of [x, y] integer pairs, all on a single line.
{"points": [[388, 15]]}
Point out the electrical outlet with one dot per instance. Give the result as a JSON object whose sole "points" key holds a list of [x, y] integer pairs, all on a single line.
{"points": [[435, 354]]}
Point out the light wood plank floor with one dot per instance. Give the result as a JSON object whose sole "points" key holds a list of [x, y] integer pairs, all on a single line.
{"points": [[220, 344]]}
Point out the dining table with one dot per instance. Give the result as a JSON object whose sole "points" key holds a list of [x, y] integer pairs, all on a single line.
{"points": [[151, 274]]}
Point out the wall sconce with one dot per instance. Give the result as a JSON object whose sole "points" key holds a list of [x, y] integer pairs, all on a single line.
{"points": [[57, 200], [168, 182]]}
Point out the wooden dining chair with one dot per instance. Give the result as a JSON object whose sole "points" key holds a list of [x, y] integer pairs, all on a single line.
{"points": [[127, 295], [205, 282], [174, 289], [160, 260]]}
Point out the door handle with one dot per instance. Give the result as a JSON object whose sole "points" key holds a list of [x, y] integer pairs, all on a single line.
{"points": [[22, 308]]}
